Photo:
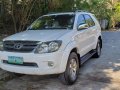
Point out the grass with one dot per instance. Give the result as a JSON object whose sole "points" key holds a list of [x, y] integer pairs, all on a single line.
{"points": [[1, 85]]}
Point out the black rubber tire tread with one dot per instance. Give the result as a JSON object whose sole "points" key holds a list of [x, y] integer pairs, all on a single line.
{"points": [[96, 55], [18, 75], [64, 77]]}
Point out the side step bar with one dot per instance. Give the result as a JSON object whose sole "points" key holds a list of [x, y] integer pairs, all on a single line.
{"points": [[84, 58]]}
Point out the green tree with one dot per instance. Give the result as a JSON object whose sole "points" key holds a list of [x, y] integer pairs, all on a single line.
{"points": [[17, 14], [115, 17], [98, 7], [4, 12]]}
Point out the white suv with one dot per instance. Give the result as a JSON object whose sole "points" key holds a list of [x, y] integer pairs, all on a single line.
{"points": [[56, 43]]}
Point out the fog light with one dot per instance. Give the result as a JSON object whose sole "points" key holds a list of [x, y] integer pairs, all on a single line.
{"points": [[50, 64]]}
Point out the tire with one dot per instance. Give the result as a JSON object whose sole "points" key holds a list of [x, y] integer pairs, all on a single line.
{"points": [[70, 75], [98, 50], [18, 75]]}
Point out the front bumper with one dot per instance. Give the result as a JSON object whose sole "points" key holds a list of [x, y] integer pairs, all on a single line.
{"points": [[41, 60]]}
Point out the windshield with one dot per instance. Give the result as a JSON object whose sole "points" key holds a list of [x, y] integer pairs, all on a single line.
{"points": [[53, 22]]}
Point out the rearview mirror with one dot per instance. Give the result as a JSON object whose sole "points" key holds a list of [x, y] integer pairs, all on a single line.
{"points": [[83, 26]]}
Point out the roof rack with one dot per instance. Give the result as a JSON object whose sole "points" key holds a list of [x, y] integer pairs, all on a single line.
{"points": [[69, 11], [51, 12], [81, 11]]}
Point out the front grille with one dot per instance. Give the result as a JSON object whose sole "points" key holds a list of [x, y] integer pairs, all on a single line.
{"points": [[19, 46], [24, 64]]}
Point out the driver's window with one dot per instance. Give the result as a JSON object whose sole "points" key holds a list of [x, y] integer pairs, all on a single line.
{"points": [[81, 20]]}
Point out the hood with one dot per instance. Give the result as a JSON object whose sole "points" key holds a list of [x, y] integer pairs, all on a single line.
{"points": [[38, 35]]}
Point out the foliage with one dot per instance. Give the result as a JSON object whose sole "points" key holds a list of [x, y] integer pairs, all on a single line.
{"points": [[15, 15], [98, 7], [115, 18]]}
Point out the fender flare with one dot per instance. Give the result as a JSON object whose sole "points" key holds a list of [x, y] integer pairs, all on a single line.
{"points": [[65, 56]]}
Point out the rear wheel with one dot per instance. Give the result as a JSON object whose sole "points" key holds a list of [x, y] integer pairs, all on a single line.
{"points": [[98, 50], [72, 70]]}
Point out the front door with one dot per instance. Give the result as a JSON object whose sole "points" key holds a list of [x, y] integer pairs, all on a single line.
{"points": [[82, 36]]}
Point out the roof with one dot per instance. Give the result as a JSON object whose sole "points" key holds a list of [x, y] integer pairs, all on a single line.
{"points": [[72, 12]]}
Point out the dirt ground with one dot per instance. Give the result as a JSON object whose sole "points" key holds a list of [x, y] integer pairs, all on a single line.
{"points": [[95, 74]]}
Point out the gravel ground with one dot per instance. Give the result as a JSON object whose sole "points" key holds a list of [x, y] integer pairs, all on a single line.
{"points": [[95, 74]]}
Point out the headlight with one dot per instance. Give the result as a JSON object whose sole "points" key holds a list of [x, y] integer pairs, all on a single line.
{"points": [[48, 47], [1, 46]]}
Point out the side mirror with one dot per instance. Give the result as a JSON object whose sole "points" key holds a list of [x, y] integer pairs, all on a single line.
{"points": [[83, 26]]}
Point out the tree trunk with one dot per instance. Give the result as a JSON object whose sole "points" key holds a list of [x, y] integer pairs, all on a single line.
{"points": [[14, 20]]}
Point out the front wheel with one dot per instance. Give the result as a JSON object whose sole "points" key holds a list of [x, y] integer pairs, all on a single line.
{"points": [[18, 75], [72, 70]]}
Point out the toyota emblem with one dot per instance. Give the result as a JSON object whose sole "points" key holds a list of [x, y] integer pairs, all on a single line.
{"points": [[18, 46]]}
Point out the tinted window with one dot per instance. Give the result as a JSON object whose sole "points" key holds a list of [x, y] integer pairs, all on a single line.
{"points": [[89, 20], [81, 20], [53, 22]]}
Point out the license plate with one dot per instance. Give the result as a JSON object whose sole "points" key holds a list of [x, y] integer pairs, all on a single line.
{"points": [[15, 60]]}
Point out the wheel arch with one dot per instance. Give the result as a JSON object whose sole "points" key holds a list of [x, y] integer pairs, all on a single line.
{"points": [[78, 55], [100, 38], [70, 48]]}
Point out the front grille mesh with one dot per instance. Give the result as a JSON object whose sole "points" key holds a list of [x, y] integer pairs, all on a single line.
{"points": [[27, 46]]}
